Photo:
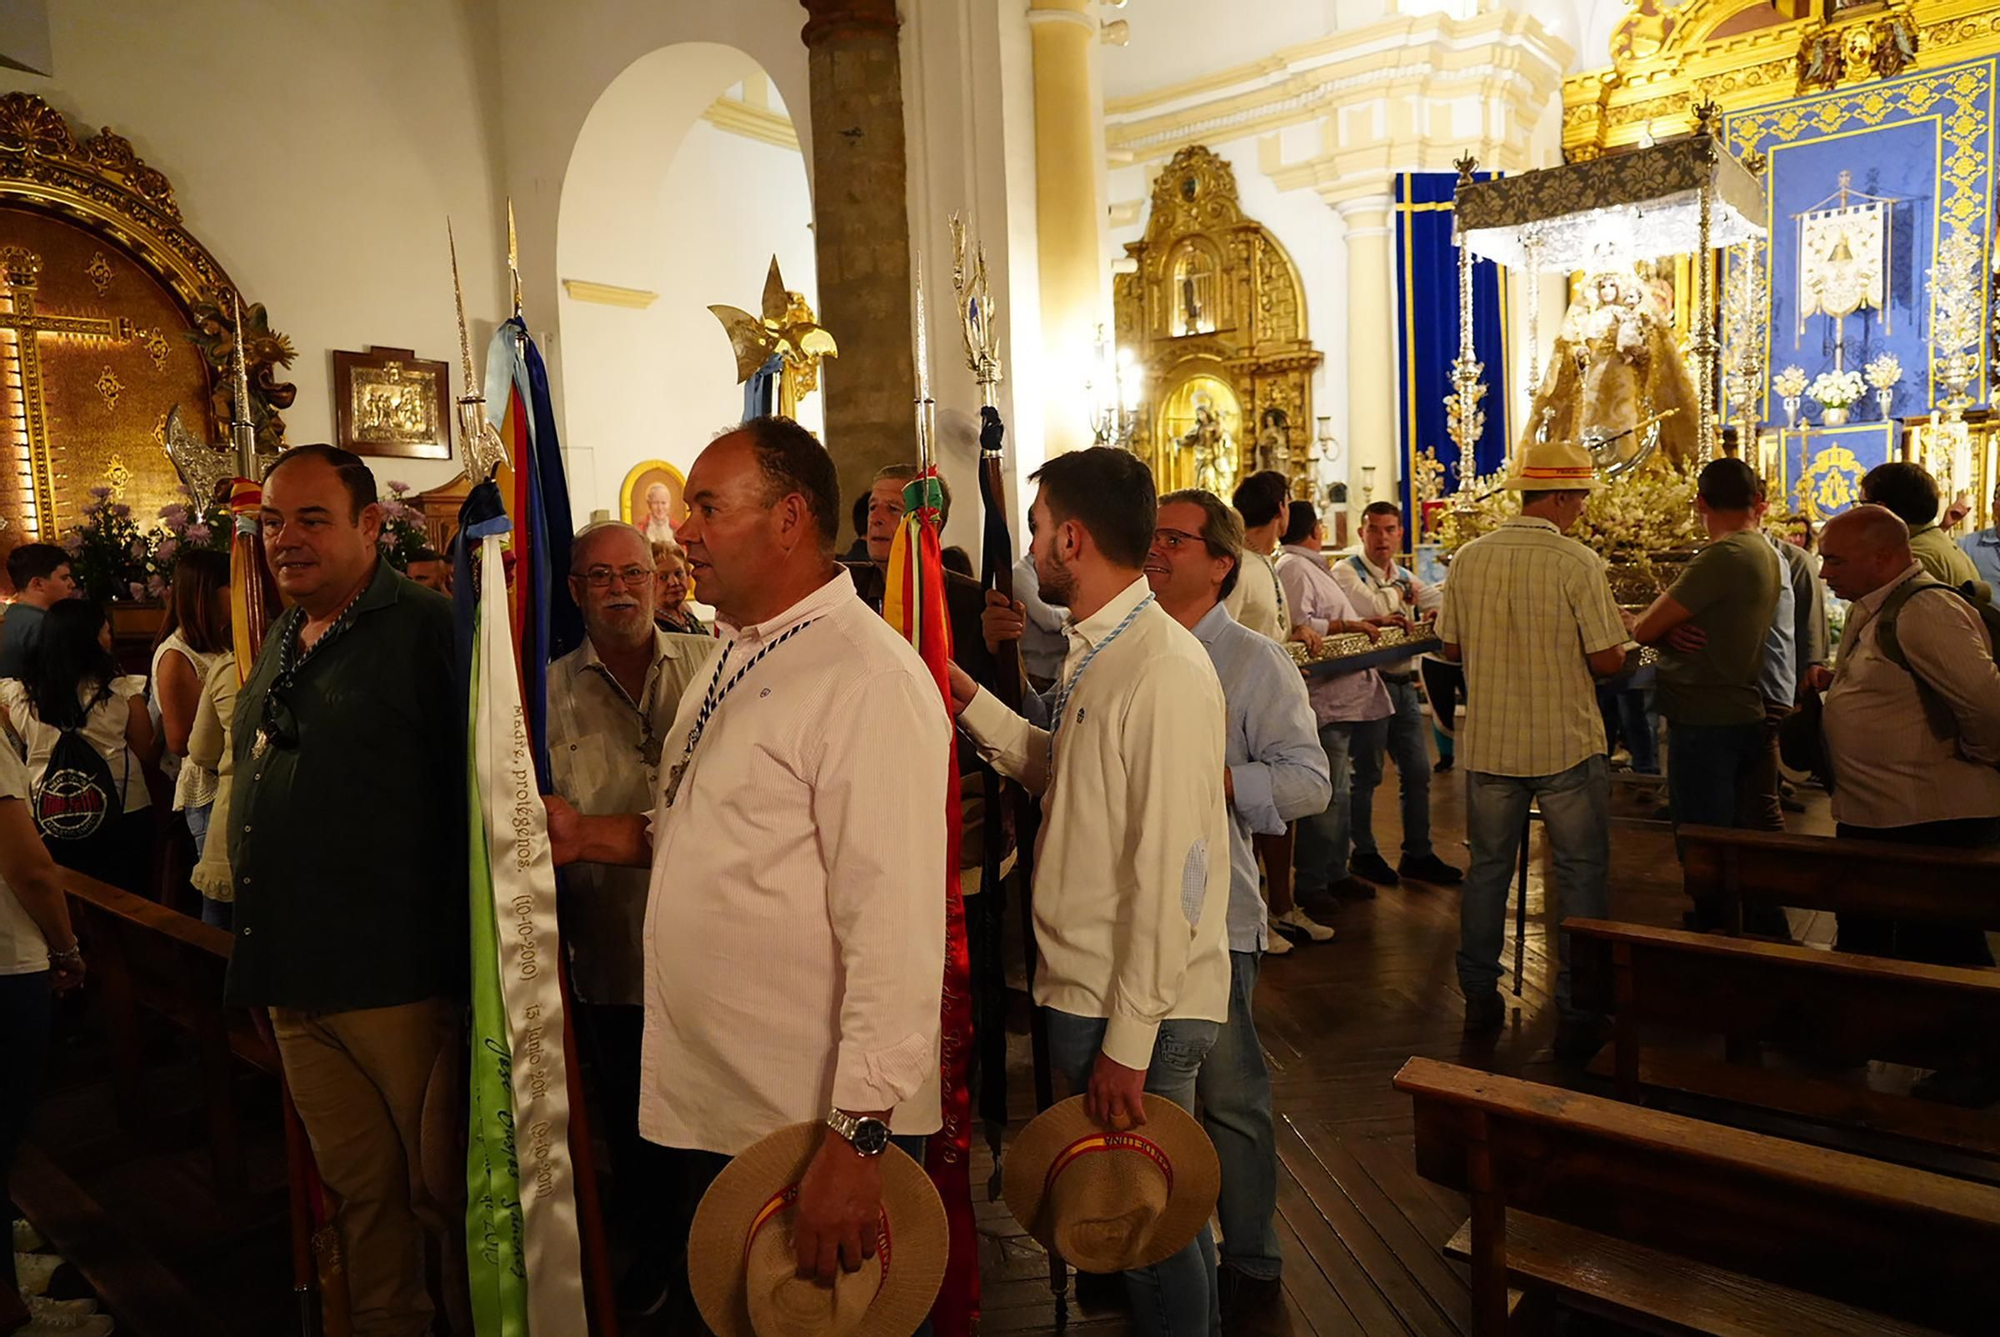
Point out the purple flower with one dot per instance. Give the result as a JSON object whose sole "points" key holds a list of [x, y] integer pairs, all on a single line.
{"points": [[138, 590], [122, 511], [100, 492], [166, 549], [398, 489], [156, 587], [199, 534], [137, 547], [72, 543]]}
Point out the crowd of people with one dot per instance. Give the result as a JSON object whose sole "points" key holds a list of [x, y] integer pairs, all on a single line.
{"points": [[747, 814]]}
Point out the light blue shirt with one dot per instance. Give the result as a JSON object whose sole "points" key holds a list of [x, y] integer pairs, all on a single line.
{"points": [[1043, 642], [1984, 550], [1779, 678], [1276, 764]]}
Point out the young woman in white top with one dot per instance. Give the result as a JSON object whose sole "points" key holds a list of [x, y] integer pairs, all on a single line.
{"points": [[198, 637], [38, 957], [72, 681]]}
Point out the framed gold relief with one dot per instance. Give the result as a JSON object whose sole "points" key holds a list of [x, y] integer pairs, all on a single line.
{"points": [[388, 401]]}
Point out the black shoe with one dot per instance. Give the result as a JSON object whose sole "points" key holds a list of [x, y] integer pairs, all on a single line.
{"points": [[1373, 867], [1578, 1041], [1247, 1297], [1443, 765], [1431, 869], [1486, 1012], [1352, 889]]}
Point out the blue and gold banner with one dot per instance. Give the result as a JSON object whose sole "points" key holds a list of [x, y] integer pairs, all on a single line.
{"points": [[1427, 333]]}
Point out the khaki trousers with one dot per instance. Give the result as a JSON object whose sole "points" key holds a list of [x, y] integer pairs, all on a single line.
{"points": [[380, 1092]]}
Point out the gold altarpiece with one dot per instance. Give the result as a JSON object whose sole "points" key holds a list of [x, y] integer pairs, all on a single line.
{"points": [[1215, 318], [111, 314]]}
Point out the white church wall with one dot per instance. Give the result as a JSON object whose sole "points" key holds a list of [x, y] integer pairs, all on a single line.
{"points": [[556, 61], [316, 149], [661, 202]]}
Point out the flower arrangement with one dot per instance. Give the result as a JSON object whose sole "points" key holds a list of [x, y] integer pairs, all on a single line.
{"points": [[1791, 382], [1837, 389], [182, 528], [107, 553], [1884, 372], [403, 535]]}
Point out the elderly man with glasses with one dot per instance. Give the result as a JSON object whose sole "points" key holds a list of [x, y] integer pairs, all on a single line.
{"points": [[611, 702]]}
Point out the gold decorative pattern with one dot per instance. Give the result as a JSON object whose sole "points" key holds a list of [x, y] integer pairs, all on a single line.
{"points": [[156, 347], [110, 387], [118, 475], [99, 271], [1832, 484], [1214, 314]]}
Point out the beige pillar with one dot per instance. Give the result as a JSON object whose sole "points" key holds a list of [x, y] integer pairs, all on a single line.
{"points": [[861, 235], [1068, 215], [1371, 351]]}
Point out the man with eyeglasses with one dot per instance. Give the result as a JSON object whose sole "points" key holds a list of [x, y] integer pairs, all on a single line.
{"points": [[347, 841], [612, 701]]}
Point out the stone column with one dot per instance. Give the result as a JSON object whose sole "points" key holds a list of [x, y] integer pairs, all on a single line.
{"points": [[1371, 351], [861, 235], [1068, 216]]}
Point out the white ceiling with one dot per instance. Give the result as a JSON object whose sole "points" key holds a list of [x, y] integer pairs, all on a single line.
{"points": [[1175, 40]]}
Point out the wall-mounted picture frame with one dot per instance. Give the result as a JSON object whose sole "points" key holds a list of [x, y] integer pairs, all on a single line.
{"points": [[651, 498], [389, 401]]}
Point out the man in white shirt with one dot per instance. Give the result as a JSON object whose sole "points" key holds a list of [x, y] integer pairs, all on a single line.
{"points": [[1912, 746], [611, 703], [1530, 614], [1341, 704], [1258, 598], [795, 924], [1375, 584], [1131, 894], [1276, 774]]}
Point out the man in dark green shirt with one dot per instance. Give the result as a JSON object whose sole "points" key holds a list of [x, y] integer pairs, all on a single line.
{"points": [[1710, 629], [347, 843]]}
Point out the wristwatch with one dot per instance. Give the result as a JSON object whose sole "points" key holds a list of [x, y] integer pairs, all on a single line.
{"points": [[868, 1136]]}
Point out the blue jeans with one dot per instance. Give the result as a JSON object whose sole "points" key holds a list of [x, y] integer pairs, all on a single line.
{"points": [[1399, 736], [1235, 1090], [1321, 857], [1576, 813], [1629, 715], [1177, 1298]]}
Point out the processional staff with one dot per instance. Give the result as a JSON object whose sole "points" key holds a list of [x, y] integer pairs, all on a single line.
{"points": [[979, 325]]}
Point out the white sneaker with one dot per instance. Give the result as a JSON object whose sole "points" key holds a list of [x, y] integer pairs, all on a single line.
{"points": [[40, 1307], [45, 1322], [27, 1239], [1276, 943], [1298, 921], [33, 1270]]}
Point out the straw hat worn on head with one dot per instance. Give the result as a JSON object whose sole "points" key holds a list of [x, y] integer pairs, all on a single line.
{"points": [[1554, 466], [1111, 1201], [743, 1272]]}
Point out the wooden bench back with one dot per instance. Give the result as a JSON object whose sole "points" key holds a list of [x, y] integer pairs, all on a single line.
{"points": [[162, 961], [1865, 877], [1903, 1242], [1829, 1003]]}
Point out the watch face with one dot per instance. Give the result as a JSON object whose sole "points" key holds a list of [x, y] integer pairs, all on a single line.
{"points": [[871, 1137]]}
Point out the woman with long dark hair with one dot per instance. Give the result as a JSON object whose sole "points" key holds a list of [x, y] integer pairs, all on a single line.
{"points": [[198, 637], [73, 682]]}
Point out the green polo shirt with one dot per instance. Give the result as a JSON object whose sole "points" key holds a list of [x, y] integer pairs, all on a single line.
{"points": [[1941, 555], [349, 849], [1731, 587]]}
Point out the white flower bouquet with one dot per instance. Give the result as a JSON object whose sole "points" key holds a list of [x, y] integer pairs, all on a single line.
{"points": [[1837, 389]]}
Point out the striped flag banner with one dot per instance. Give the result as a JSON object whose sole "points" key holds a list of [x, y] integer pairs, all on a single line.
{"points": [[914, 604]]}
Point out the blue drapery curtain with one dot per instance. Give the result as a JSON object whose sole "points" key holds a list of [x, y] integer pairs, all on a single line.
{"points": [[1427, 333]]}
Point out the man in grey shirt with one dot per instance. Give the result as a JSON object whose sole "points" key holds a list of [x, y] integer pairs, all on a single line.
{"points": [[40, 574]]}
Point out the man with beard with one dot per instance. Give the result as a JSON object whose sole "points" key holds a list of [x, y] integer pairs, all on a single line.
{"points": [[611, 702], [1131, 892]]}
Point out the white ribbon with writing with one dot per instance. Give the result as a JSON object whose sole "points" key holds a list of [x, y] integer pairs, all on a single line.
{"points": [[524, 909]]}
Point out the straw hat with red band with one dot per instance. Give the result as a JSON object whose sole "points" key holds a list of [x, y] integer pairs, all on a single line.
{"points": [[743, 1271], [1108, 1201], [1554, 466]]}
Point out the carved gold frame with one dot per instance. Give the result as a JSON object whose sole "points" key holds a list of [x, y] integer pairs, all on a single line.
{"points": [[99, 184]]}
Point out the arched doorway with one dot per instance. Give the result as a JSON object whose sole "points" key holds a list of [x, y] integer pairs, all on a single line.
{"points": [[686, 179]]}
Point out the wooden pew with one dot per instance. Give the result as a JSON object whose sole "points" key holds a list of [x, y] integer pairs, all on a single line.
{"points": [[1863, 877], [1680, 1226], [144, 957], [1830, 1005]]}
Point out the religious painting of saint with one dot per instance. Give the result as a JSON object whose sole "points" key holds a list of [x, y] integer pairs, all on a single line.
{"points": [[388, 401], [651, 498]]}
